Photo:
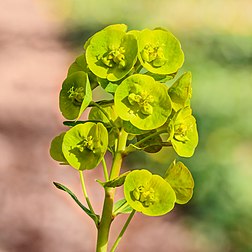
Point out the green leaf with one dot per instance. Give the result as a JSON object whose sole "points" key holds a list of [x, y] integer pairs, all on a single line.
{"points": [[56, 149], [108, 86], [111, 53], [181, 91], [121, 207], [183, 133], [84, 145], [131, 129], [86, 210], [152, 144], [159, 51], [119, 181], [75, 95], [160, 77], [143, 101], [181, 180], [149, 194]]}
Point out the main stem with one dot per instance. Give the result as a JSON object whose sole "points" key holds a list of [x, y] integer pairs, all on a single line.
{"points": [[106, 218]]}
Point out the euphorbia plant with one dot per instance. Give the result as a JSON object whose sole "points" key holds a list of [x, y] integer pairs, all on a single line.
{"points": [[148, 111]]}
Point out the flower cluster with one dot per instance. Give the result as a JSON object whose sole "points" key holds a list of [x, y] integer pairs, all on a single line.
{"points": [[137, 69]]}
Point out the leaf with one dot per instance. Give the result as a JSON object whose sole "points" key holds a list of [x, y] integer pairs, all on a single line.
{"points": [[181, 180], [86, 210], [121, 207], [84, 145], [143, 101], [73, 123], [159, 51], [108, 86], [151, 145], [148, 193], [75, 95], [161, 77], [119, 181], [131, 129], [56, 149]]}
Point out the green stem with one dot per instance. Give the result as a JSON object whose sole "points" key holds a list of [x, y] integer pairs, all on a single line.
{"points": [[105, 169], [107, 217], [85, 192], [122, 231]]}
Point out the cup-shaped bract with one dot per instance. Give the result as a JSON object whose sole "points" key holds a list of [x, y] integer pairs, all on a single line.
{"points": [[159, 51], [143, 101], [181, 180], [84, 145], [181, 91], [148, 193], [183, 133], [80, 64], [111, 53], [56, 149], [75, 95]]}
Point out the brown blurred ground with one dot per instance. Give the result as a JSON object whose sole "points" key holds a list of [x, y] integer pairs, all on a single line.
{"points": [[34, 216]]}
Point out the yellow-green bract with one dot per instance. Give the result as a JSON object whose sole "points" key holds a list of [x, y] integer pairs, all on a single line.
{"points": [[181, 180], [183, 133], [143, 101], [181, 91], [148, 193], [56, 148], [75, 95], [84, 145], [111, 53], [159, 51]]}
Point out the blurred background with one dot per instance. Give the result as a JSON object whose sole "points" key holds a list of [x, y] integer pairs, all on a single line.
{"points": [[39, 40]]}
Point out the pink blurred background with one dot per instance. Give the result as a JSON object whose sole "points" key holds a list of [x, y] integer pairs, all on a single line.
{"points": [[34, 215]]}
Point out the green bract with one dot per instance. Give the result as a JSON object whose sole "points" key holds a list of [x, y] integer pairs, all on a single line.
{"points": [[159, 51], [181, 180], [143, 101], [181, 91], [149, 194], [84, 145], [75, 95], [56, 149], [111, 53], [80, 64], [183, 132]]}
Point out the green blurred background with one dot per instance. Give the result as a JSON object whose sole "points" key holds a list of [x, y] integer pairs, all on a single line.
{"points": [[216, 37], [39, 41]]}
